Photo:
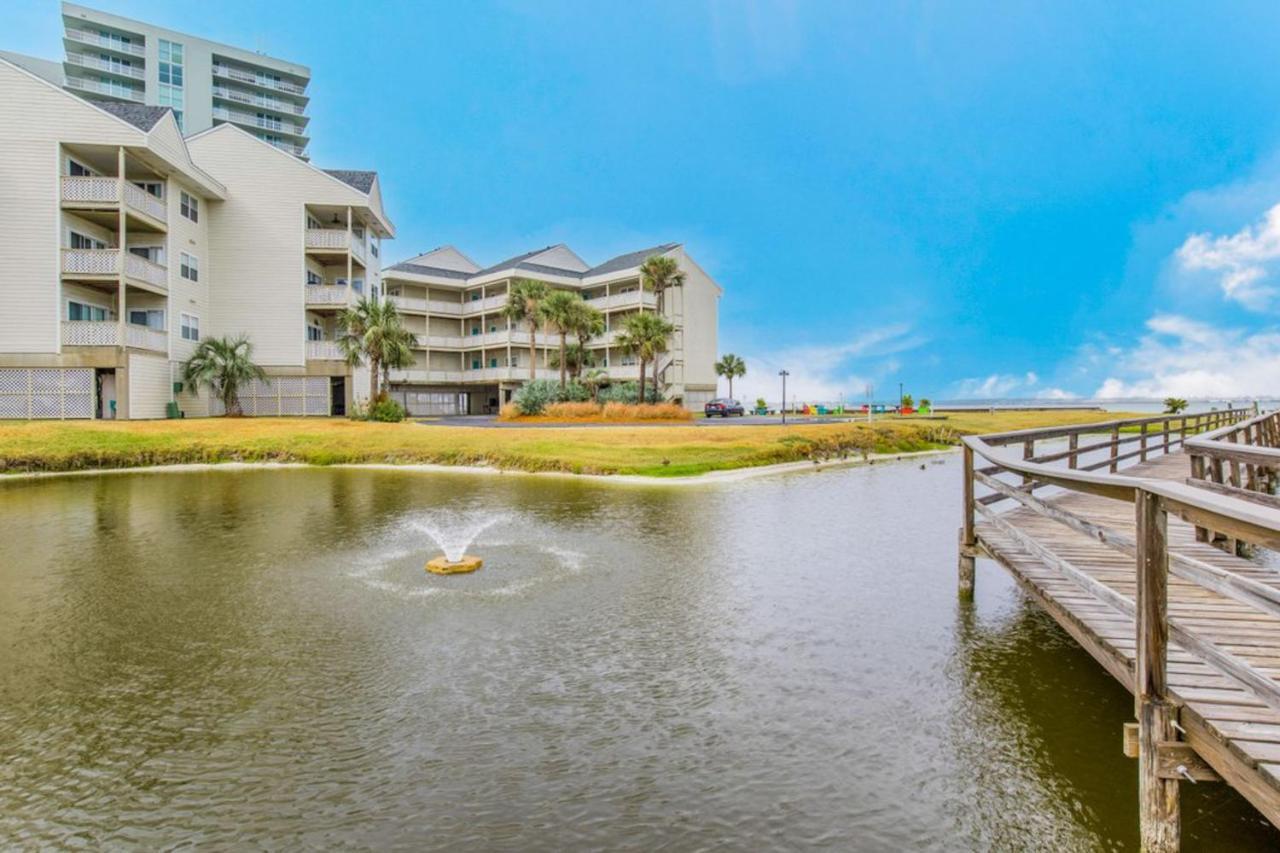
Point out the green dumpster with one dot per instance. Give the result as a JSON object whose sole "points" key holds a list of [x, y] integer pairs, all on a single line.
{"points": [[171, 410]]}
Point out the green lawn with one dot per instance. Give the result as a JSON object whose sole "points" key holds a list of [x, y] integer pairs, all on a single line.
{"points": [[649, 451]]}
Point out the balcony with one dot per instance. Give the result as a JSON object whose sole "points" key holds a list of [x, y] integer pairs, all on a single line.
{"points": [[255, 121], [96, 39], [262, 81], [329, 296], [630, 299], [97, 63], [94, 193], [334, 240], [97, 87], [453, 309], [250, 99], [96, 264], [100, 333], [490, 303], [324, 351]]}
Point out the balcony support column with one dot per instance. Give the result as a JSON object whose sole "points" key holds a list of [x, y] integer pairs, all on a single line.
{"points": [[350, 249]]}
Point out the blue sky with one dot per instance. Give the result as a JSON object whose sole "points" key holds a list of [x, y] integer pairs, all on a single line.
{"points": [[973, 199]]}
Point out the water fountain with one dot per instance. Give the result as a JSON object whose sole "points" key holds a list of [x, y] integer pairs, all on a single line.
{"points": [[454, 534]]}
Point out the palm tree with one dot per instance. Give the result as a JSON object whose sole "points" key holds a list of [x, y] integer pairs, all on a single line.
{"points": [[374, 332], [660, 272], [524, 302], [731, 367], [1174, 405], [224, 364], [587, 322], [577, 357], [645, 334], [558, 311], [593, 379]]}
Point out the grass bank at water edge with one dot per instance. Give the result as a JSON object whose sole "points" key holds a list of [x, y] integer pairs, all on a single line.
{"points": [[53, 446]]}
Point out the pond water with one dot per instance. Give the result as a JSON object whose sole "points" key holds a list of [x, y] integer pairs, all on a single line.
{"points": [[257, 658]]}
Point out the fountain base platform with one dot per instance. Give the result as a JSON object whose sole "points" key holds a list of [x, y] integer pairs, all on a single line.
{"points": [[443, 566]]}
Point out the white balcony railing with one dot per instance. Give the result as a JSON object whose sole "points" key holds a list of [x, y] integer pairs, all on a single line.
{"points": [[91, 261], [145, 270], [260, 122], [328, 294], [250, 99], [453, 309], [98, 40], [84, 84], [491, 303], [324, 350], [409, 303], [106, 333], [88, 60], [336, 239], [140, 199], [631, 299], [83, 189], [232, 73]]}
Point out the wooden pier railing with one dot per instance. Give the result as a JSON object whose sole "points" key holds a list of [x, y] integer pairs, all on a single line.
{"points": [[1236, 454]]}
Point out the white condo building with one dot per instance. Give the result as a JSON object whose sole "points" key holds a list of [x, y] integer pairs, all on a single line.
{"points": [[470, 358], [109, 57]]}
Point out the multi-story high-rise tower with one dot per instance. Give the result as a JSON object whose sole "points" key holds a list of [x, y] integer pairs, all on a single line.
{"points": [[206, 83]]}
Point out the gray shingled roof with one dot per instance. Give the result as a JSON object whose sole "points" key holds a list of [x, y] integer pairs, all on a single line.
{"points": [[141, 117], [631, 259], [362, 181], [419, 269], [621, 262]]}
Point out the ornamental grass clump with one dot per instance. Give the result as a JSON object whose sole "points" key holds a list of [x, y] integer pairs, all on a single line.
{"points": [[650, 412]]}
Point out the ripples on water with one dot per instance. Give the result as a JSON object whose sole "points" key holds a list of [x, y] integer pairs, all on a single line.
{"points": [[258, 658]]}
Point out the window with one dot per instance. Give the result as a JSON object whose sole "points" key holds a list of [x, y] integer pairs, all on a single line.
{"points": [[315, 333], [475, 296], [149, 318], [493, 327], [155, 254], [114, 40], [82, 241], [373, 248], [85, 311], [475, 330], [189, 206], [171, 63], [493, 362], [154, 188], [475, 363], [314, 278], [190, 267], [269, 121], [357, 284], [312, 223], [190, 327], [77, 170], [111, 86]]}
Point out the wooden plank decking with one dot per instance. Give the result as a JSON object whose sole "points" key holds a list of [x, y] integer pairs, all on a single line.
{"points": [[1233, 730]]}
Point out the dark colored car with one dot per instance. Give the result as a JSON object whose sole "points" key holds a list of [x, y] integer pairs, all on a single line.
{"points": [[724, 407]]}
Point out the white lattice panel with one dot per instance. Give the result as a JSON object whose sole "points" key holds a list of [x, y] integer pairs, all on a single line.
{"points": [[89, 333], [13, 406], [46, 381], [46, 406], [317, 406], [91, 261], [291, 386], [292, 406], [46, 392], [84, 188]]}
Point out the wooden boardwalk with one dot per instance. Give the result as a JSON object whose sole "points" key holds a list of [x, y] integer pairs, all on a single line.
{"points": [[1226, 724], [1148, 566]]}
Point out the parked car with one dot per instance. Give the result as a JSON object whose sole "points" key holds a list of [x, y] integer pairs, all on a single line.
{"points": [[724, 407]]}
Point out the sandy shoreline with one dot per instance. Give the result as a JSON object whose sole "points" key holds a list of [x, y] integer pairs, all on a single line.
{"points": [[734, 475]]}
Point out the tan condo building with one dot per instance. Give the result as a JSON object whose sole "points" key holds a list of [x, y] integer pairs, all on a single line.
{"points": [[470, 358], [125, 245]]}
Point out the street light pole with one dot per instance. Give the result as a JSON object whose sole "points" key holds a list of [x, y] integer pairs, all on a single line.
{"points": [[784, 374]]}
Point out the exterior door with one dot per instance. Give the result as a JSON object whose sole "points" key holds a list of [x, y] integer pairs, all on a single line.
{"points": [[338, 396]]}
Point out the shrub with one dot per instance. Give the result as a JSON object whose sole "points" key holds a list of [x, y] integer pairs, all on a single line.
{"points": [[509, 412], [387, 411], [533, 397], [627, 392], [572, 411], [651, 412]]}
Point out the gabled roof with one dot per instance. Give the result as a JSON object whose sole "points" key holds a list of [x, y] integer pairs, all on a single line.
{"points": [[446, 258], [530, 262], [419, 269], [138, 115], [361, 180], [630, 259]]}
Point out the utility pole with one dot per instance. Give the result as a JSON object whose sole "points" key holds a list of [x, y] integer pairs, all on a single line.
{"points": [[871, 392], [784, 374], [899, 396]]}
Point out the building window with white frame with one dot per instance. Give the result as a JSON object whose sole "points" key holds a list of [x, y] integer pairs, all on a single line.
{"points": [[190, 267], [189, 206], [86, 311], [190, 327]]}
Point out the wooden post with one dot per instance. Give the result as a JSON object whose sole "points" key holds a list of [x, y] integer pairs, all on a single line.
{"points": [[1115, 447], [1168, 428], [1198, 473], [1028, 451], [1073, 444], [1142, 444], [968, 540], [1159, 819]]}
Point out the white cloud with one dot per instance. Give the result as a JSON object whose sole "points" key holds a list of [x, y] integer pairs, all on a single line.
{"points": [[1240, 259], [1180, 357], [823, 372], [1056, 394], [994, 386]]}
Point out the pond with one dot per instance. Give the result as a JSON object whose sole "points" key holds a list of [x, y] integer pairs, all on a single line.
{"points": [[257, 658]]}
